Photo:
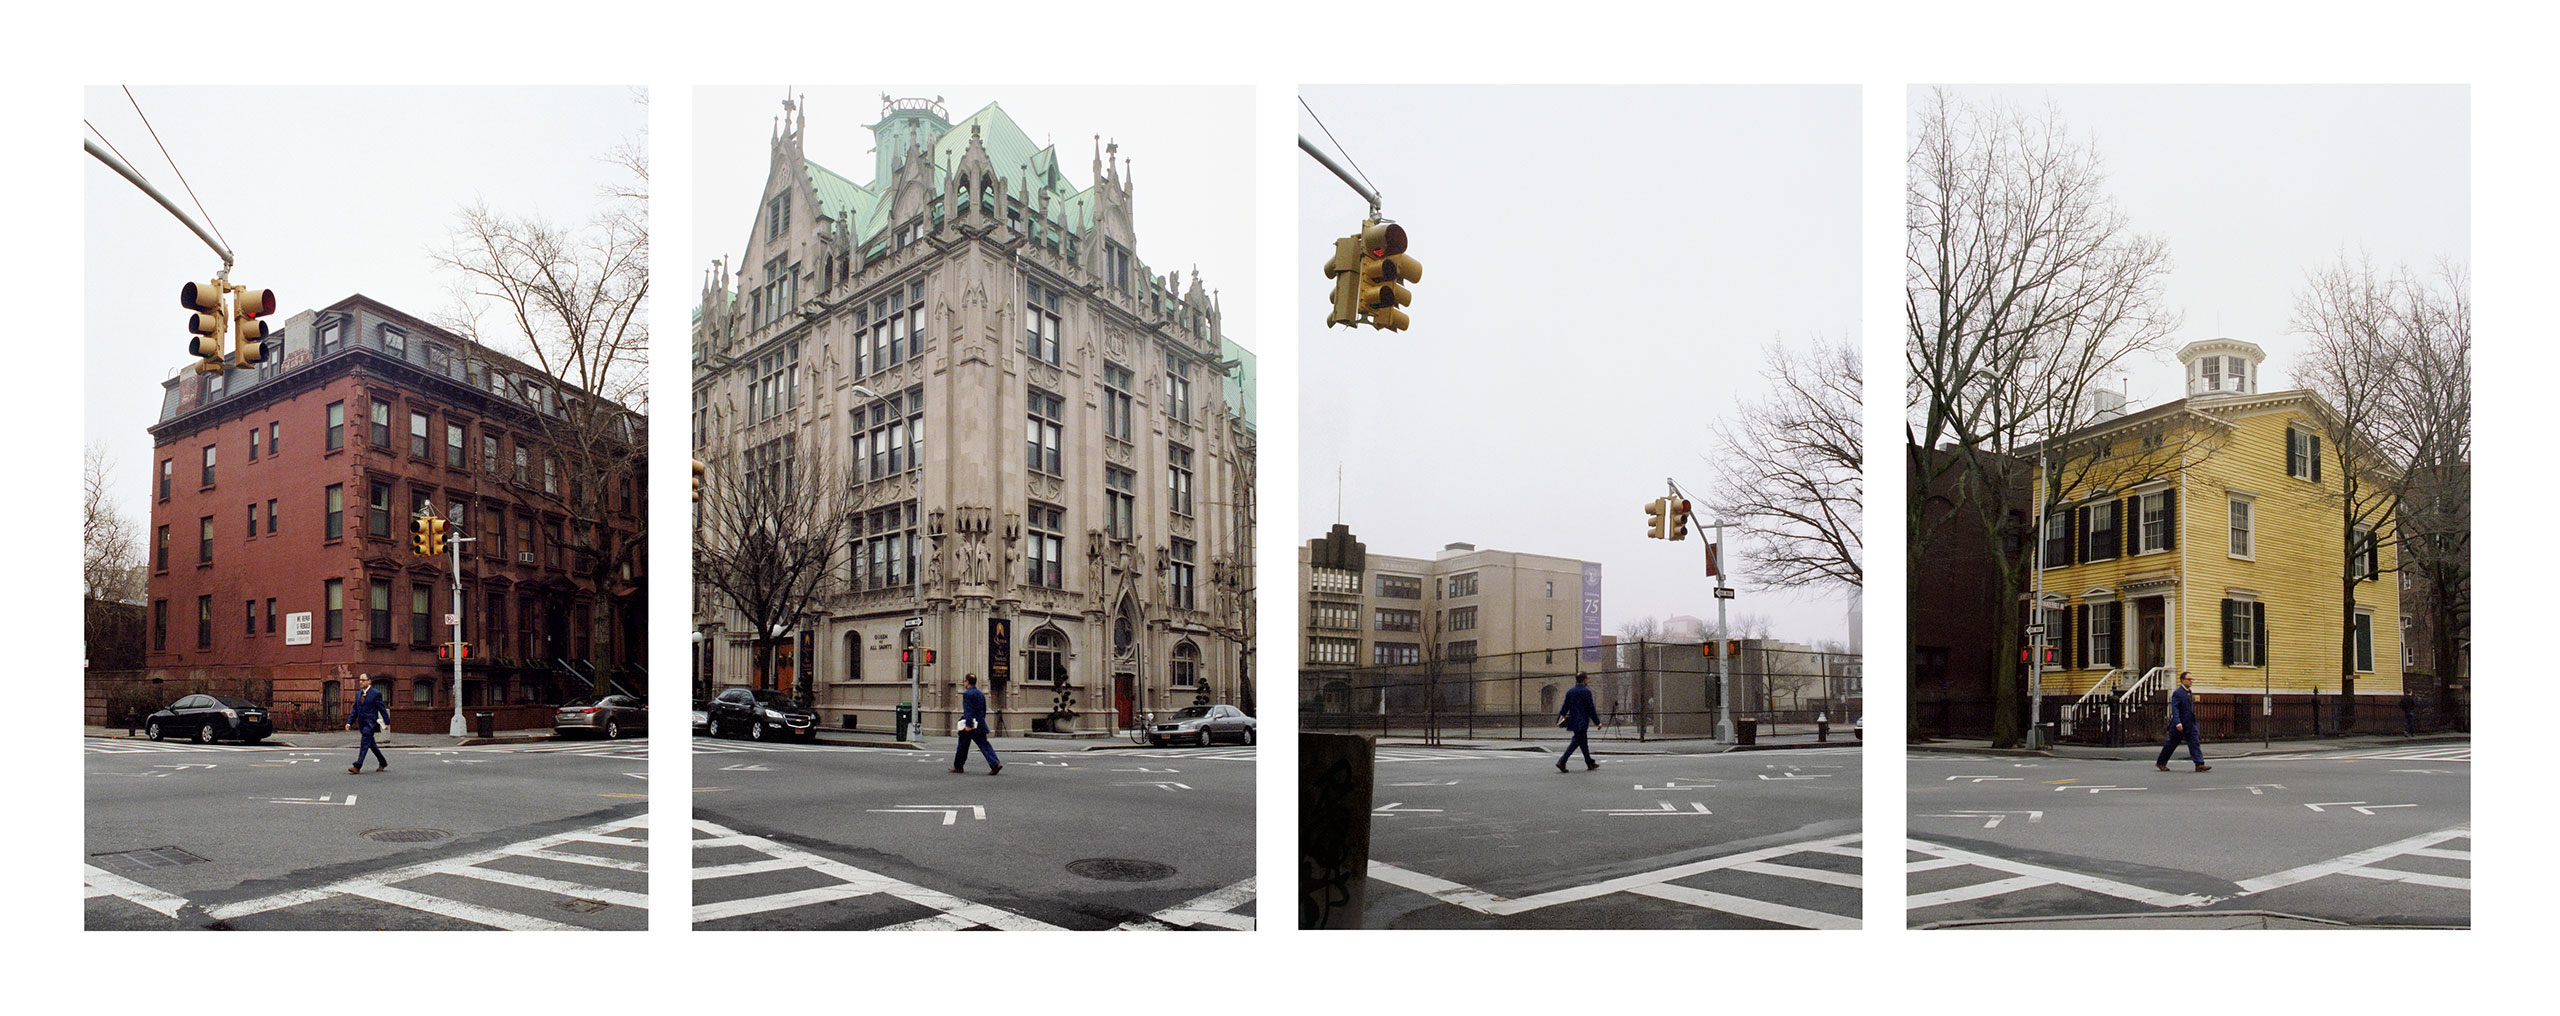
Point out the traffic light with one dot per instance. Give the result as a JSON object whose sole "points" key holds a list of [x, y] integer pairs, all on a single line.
{"points": [[1384, 268], [1707, 649], [915, 654], [1344, 269], [248, 334], [698, 470], [1658, 510], [1680, 520], [1733, 649], [205, 325], [444, 651], [426, 536]]}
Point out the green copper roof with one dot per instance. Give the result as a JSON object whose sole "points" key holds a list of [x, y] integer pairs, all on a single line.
{"points": [[1012, 152], [838, 198]]}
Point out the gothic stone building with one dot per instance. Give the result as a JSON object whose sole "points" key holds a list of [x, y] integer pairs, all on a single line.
{"points": [[1031, 433]]}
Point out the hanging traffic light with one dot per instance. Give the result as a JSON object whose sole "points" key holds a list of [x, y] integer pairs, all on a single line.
{"points": [[1658, 510], [1680, 520], [444, 651], [205, 326], [421, 537], [248, 334], [698, 470], [1384, 269], [1344, 269]]}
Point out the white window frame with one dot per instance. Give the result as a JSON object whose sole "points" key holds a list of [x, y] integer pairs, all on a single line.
{"points": [[2243, 526]]}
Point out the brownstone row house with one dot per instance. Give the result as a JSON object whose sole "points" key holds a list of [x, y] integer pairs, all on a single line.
{"points": [[280, 549]]}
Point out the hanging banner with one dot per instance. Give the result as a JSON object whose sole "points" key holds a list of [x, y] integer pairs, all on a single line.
{"points": [[1590, 612]]}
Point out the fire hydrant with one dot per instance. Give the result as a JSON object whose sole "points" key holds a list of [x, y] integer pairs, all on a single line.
{"points": [[1822, 726]]}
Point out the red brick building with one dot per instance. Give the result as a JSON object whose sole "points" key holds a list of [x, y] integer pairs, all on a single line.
{"points": [[281, 501]]}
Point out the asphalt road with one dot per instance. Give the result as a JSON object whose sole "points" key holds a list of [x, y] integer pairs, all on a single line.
{"points": [[1499, 839], [262, 837], [2365, 837], [826, 837]]}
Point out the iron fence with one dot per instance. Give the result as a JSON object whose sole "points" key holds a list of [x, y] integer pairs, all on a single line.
{"points": [[1644, 691]]}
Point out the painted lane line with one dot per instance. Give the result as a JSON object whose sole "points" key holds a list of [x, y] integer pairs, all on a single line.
{"points": [[2097, 788], [1844, 879], [1795, 776], [2253, 789], [2358, 859], [1489, 904], [1665, 809], [950, 812], [1426, 783], [2072, 879], [858, 882], [1215, 908], [1398, 808], [101, 882], [395, 876], [1165, 785], [1994, 817], [1978, 890], [1987, 779], [1759, 910]]}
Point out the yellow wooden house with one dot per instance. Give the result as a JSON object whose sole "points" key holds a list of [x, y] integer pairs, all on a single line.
{"points": [[2208, 535]]}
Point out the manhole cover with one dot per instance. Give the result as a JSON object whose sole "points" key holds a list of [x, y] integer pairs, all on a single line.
{"points": [[581, 906], [1120, 869], [144, 860], [405, 835]]}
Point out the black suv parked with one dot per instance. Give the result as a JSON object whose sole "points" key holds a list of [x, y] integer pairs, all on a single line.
{"points": [[764, 714]]}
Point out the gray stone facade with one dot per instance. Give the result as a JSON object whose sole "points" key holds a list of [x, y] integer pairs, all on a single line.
{"points": [[1027, 428]]}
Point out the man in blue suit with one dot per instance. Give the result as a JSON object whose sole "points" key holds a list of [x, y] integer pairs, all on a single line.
{"points": [[973, 727], [1579, 716], [2182, 726], [369, 711]]}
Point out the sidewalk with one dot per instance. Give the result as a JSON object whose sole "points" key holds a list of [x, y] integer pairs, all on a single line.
{"points": [[2212, 749], [347, 739], [1023, 744]]}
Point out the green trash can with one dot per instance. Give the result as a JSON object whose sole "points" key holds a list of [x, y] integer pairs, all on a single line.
{"points": [[906, 721]]}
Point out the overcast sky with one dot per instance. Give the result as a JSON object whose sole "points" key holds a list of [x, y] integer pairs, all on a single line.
{"points": [[322, 193], [1192, 150], [1602, 270], [2255, 187]]}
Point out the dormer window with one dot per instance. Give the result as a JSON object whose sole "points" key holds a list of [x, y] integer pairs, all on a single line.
{"points": [[2239, 374], [2212, 373]]}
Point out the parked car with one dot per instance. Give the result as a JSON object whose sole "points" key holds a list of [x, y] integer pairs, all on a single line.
{"points": [[763, 713], [1203, 725], [610, 717], [210, 718], [701, 717]]}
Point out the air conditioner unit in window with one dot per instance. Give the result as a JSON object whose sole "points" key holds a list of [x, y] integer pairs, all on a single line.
{"points": [[524, 557]]}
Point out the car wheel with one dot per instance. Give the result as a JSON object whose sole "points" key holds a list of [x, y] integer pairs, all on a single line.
{"points": [[1154, 742], [1248, 736], [204, 734], [153, 730], [755, 731], [612, 730]]}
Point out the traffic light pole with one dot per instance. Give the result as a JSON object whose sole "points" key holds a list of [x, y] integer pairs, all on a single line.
{"points": [[102, 155], [1327, 162], [1724, 658]]}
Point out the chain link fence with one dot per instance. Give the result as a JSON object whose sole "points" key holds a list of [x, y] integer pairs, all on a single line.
{"points": [[1644, 691]]}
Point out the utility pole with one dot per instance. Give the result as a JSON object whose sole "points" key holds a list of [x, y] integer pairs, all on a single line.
{"points": [[1724, 594]]}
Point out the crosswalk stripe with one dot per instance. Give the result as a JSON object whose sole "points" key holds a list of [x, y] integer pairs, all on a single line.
{"points": [[101, 882], [379, 886], [1978, 890], [2056, 876], [1487, 903], [617, 897], [500, 919], [1845, 879], [1762, 910], [857, 882], [2359, 859], [1214, 908]]}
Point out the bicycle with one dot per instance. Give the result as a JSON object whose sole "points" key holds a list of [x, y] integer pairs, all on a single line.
{"points": [[1138, 730]]}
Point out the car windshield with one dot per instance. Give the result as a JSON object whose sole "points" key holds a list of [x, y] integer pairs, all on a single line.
{"points": [[1191, 713], [773, 698]]}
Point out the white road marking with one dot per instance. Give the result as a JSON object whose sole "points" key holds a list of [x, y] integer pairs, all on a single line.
{"points": [[955, 912], [383, 886], [2352, 863], [1215, 909], [950, 812], [101, 882], [1656, 884], [2029, 876]]}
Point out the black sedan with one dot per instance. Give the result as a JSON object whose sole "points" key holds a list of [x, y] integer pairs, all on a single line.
{"points": [[762, 713], [1203, 725], [210, 718]]}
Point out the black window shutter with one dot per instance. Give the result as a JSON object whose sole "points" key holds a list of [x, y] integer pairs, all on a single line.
{"points": [[2169, 518], [2070, 640], [2116, 639], [2258, 631], [2315, 458], [2293, 453], [2080, 535], [2227, 616]]}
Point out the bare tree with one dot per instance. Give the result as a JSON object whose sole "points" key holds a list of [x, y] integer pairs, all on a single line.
{"points": [[572, 301], [2392, 357], [1790, 467], [2024, 291], [767, 537], [110, 541], [1644, 629]]}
